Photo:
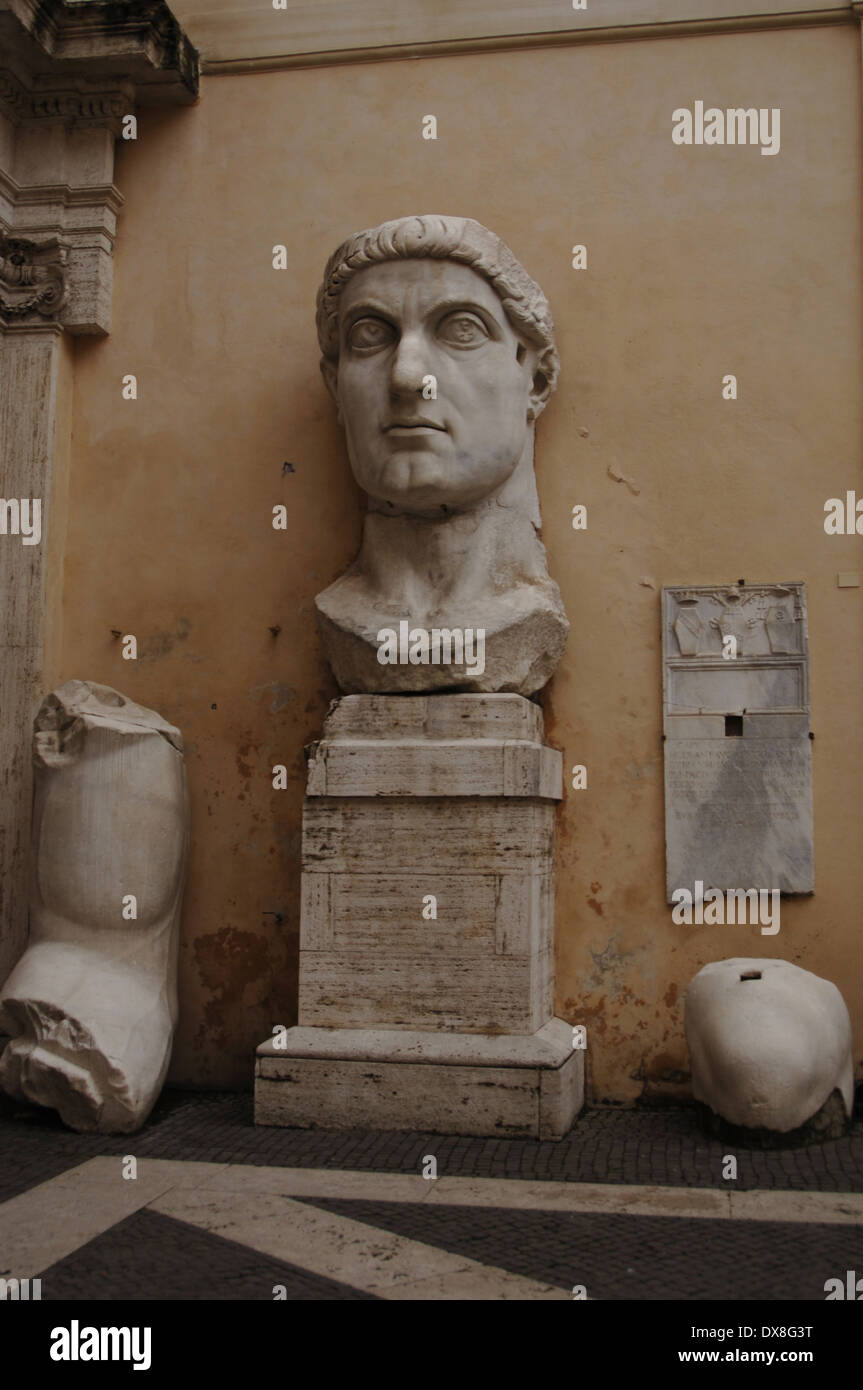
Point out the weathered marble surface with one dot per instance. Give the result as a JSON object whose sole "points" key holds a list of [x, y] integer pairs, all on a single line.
{"points": [[439, 406], [328, 1078], [431, 1022], [738, 757], [768, 1042], [466, 819], [91, 1006]]}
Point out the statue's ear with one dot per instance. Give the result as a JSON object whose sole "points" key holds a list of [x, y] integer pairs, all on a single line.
{"points": [[529, 358], [330, 373], [539, 393]]}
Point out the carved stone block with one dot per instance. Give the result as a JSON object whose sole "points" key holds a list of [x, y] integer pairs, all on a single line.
{"points": [[462, 820], [448, 1083]]}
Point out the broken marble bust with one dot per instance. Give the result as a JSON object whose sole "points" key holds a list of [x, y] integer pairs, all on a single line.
{"points": [[438, 350], [91, 1006]]}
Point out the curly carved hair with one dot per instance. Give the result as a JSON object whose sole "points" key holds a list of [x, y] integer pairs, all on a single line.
{"points": [[442, 238]]}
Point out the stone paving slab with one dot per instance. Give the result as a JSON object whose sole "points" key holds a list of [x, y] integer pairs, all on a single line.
{"points": [[56, 1217], [246, 1180], [616, 1256], [363, 1254]]}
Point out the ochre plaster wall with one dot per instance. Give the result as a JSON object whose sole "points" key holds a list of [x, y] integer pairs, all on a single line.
{"points": [[702, 261]]}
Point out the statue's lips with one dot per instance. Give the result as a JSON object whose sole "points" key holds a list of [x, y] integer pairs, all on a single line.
{"points": [[407, 427]]}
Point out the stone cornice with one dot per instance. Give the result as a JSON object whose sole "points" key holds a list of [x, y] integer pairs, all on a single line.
{"points": [[138, 41]]}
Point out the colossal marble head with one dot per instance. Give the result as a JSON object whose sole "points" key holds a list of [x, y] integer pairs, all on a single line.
{"points": [[438, 350]]}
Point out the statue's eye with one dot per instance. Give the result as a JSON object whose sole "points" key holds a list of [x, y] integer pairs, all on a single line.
{"points": [[370, 333], [463, 330]]}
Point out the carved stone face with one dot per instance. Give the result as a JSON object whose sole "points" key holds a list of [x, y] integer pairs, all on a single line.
{"points": [[406, 320]]}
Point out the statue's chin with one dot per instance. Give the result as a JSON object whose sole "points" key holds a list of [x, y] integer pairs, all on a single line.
{"points": [[431, 509], [434, 499], [432, 486]]}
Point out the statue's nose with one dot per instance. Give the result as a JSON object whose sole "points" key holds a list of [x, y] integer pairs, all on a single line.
{"points": [[410, 364]]}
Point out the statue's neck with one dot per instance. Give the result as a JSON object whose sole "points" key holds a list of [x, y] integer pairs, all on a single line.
{"points": [[435, 564], [425, 564]]}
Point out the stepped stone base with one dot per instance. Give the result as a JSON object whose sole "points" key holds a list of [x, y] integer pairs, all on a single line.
{"points": [[426, 993], [516, 1086]]}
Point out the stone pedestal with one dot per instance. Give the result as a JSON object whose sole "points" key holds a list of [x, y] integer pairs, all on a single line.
{"points": [[427, 951]]}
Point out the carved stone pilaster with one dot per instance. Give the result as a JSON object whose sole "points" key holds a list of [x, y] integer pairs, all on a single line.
{"points": [[69, 74]]}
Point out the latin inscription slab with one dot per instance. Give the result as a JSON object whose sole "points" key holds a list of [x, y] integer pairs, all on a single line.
{"points": [[738, 757]]}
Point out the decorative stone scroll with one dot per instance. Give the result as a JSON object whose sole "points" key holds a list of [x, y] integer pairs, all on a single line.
{"points": [[32, 278], [738, 756]]}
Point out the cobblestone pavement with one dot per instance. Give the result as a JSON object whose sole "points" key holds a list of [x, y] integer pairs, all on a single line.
{"points": [[613, 1256], [216, 1213], [172, 1260], [659, 1147]]}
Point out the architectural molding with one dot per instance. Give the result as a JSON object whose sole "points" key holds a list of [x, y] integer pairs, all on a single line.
{"points": [[62, 194], [79, 103], [139, 40], [71, 72], [79, 220], [496, 43]]}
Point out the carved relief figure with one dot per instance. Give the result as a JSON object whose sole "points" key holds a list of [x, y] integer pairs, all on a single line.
{"points": [[762, 621]]}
